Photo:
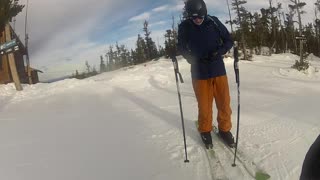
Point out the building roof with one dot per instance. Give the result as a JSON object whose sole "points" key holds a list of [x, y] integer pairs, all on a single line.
{"points": [[33, 69]]}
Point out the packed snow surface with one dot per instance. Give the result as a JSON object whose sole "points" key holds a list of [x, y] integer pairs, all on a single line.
{"points": [[126, 124]]}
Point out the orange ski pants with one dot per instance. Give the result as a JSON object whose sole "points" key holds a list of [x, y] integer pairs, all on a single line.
{"points": [[206, 91]]}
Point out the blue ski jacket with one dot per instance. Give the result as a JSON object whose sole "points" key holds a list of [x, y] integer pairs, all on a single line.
{"points": [[203, 46]]}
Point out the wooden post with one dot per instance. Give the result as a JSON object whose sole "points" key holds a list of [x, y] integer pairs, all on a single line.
{"points": [[29, 69], [12, 62], [26, 45]]}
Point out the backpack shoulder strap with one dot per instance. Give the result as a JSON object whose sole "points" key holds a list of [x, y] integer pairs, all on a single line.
{"points": [[214, 20]]}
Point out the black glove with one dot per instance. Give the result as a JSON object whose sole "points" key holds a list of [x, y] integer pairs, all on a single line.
{"points": [[190, 58], [215, 55], [211, 57]]}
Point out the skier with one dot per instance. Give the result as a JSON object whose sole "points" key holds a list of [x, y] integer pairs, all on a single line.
{"points": [[202, 41], [311, 164]]}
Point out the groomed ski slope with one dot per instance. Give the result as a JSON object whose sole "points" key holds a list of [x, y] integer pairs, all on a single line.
{"points": [[126, 124]]}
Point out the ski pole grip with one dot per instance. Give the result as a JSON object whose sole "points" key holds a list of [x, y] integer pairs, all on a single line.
{"points": [[176, 67]]}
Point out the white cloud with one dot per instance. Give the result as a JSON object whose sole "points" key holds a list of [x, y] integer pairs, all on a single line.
{"points": [[61, 62], [161, 8], [157, 23], [178, 7], [141, 17], [165, 9], [49, 19], [59, 29]]}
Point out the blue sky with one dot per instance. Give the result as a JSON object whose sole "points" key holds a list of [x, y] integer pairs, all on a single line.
{"points": [[65, 34]]}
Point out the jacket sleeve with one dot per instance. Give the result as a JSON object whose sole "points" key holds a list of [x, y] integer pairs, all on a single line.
{"points": [[182, 43], [311, 163], [225, 36]]}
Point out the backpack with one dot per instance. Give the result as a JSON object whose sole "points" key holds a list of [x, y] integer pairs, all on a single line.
{"points": [[211, 18]]}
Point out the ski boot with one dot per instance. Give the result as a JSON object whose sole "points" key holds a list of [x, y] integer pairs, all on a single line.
{"points": [[207, 140], [227, 138]]}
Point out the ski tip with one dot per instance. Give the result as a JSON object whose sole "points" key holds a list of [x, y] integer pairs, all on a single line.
{"points": [[209, 146], [262, 176]]}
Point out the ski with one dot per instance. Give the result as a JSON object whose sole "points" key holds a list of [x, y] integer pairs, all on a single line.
{"points": [[215, 161], [216, 169], [251, 167]]}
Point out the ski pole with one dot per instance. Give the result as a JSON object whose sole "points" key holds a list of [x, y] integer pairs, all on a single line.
{"points": [[176, 73], [236, 71]]}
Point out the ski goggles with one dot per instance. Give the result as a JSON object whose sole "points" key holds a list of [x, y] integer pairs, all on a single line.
{"points": [[197, 17]]}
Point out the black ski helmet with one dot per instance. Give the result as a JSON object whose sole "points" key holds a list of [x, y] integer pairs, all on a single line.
{"points": [[195, 8]]}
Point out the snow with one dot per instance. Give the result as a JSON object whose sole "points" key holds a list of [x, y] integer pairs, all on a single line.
{"points": [[126, 124]]}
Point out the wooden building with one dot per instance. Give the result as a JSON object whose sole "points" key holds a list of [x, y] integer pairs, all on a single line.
{"points": [[5, 72]]}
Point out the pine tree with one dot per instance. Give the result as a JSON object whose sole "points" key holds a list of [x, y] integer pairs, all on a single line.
{"points": [[102, 65], [241, 21], [117, 57], [260, 31], [147, 40], [123, 56], [107, 62], [317, 27], [111, 57], [94, 71], [249, 28], [77, 74], [283, 34], [8, 10], [289, 27], [131, 55], [309, 32], [150, 49], [171, 40], [169, 43], [273, 26], [140, 50], [134, 57], [162, 51], [88, 67], [302, 64]]}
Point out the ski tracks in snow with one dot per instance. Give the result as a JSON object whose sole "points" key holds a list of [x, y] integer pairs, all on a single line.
{"points": [[273, 149]]}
